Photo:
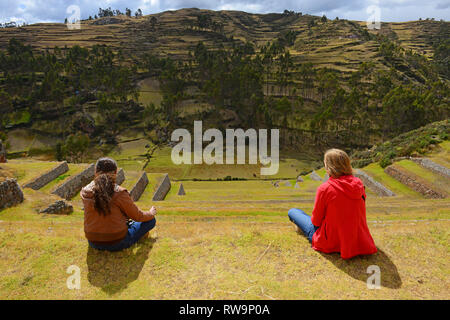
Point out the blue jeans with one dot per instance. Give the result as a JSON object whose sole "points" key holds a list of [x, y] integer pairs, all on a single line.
{"points": [[135, 231], [303, 221]]}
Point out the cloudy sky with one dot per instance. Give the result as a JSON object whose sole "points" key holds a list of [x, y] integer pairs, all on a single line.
{"points": [[32, 11]]}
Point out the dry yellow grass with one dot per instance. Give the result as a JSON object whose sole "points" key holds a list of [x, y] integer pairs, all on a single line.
{"points": [[225, 258]]}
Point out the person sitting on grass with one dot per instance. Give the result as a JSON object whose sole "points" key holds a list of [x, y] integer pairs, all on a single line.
{"points": [[107, 210], [338, 222]]}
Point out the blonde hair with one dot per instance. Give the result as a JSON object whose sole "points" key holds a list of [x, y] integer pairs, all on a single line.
{"points": [[337, 162]]}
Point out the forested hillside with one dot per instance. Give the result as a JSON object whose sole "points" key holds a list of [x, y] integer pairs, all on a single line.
{"points": [[323, 82]]}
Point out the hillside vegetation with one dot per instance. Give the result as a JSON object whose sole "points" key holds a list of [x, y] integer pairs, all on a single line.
{"points": [[412, 143], [76, 94]]}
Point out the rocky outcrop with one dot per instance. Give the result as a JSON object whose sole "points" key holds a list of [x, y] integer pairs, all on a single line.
{"points": [[71, 187], [139, 188], [163, 189], [433, 166], [413, 182], [48, 177], [374, 185], [59, 207], [10, 194], [107, 20]]}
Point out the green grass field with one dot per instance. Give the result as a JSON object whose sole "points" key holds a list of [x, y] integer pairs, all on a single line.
{"points": [[224, 240]]}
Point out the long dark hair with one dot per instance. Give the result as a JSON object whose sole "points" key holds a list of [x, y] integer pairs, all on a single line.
{"points": [[104, 184]]}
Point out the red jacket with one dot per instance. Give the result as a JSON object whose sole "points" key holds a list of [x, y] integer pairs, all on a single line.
{"points": [[340, 213]]}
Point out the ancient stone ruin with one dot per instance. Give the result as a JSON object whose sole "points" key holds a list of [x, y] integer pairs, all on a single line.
{"points": [[107, 20], [413, 183], [71, 187], [300, 179], [314, 176], [163, 189], [287, 184], [48, 177], [297, 186], [433, 166], [139, 187], [326, 177], [374, 185], [10, 194], [120, 178], [2, 153], [59, 207], [181, 191]]}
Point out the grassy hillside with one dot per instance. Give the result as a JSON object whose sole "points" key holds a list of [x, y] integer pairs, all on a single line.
{"points": [[227, 240], [221, 259], [339, 44]]}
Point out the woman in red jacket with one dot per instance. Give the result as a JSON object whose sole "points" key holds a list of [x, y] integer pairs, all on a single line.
{"points": [[338, 222]]}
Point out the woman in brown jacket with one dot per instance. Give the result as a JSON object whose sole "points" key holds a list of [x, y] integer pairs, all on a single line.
{"points": [[107, 210]]}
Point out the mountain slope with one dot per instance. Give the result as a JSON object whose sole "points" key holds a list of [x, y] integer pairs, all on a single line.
{"points": [[336, 43]]}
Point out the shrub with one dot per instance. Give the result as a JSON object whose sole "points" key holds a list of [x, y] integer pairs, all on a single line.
{"points": [[385, 162]]}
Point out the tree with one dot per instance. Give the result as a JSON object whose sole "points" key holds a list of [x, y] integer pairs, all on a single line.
{"points": [[284, 75], [5, 107], [74, 148], [153, 22], [283, 108], [307, 74]]}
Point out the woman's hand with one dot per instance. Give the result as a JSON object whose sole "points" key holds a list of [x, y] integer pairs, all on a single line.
{"points": [[153, 211]]}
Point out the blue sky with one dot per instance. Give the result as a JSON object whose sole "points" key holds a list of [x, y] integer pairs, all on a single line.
{"points": [[32, 11]]}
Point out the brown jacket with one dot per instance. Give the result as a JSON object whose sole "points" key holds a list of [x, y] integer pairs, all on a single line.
{"points": [[111, 228]]}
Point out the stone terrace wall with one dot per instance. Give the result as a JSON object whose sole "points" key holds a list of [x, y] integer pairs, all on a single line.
{"points": [[374, 185], [48, 177], [411, 182], [72, 186], [433, 166], [163, 189], [120, 177], [139, 188], [314, 176], [10, 194]]}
